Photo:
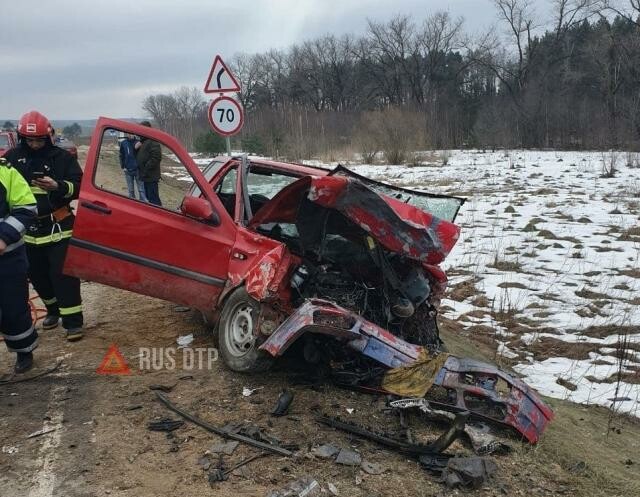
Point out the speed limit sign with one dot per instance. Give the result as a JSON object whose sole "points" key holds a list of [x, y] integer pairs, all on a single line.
{"points": [[225, 116]]}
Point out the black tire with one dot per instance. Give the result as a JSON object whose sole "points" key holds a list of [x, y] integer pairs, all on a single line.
{"points": [[236, 334]]}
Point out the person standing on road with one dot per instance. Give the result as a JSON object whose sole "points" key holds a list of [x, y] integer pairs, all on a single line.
{"points": [[17, 211], [54, 175], [149, 157], [129, 166]]}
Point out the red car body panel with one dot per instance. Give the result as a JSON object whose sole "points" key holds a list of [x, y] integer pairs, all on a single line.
{"points": [[140, 247], [8, 140]]}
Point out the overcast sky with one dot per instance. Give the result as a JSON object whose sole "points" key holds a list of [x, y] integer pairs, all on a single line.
{"points": [[79, 59]]}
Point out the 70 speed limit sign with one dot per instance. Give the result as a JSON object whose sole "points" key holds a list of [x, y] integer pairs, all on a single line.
{"points": [[225, 116]]}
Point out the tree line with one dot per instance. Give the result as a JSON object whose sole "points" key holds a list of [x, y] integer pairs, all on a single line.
{"points": [[570, 81]]}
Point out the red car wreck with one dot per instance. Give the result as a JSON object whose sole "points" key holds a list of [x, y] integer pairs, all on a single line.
{"points": [[341, 269]]}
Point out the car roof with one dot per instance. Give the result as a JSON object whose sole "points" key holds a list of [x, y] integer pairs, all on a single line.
{"points": [[298, 169]]}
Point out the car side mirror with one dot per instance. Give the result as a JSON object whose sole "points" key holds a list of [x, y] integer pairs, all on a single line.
{"points": [[200, 209]]}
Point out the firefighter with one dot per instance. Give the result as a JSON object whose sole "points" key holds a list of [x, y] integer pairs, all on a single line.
{"points": [[54, 175], [17, 211]]}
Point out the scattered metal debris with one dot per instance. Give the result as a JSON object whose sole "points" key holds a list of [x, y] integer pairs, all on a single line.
{"points": [[304, 487], [217, 473], [325, 451], [284, 401], [245, 462], [223, 433], [184, 340], [348, 457], [468, 472], [440, 445], [226, 448], [162, 388], [248, 392], [482, 441], [38, 433], [165, 425]]}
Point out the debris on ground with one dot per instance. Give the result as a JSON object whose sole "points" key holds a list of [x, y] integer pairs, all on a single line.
{"points": [[482, 441], [273, 448], [403, 446], [38, 433], [348, 457], [468, 472], [248, 392], [325, 451], [162, 388], [184, 340], [282, 405], [217, 473], [165, 425], [304, 487], [226, 448]]}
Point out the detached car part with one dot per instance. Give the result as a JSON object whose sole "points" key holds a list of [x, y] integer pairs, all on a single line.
{"points": [[461, 384], [439, 445]]}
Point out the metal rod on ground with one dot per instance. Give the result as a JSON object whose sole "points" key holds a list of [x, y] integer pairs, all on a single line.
{"points": [[223, 433], [244, 461]]}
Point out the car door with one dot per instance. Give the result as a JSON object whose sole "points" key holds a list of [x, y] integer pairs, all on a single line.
{"points": [[149, 249]]}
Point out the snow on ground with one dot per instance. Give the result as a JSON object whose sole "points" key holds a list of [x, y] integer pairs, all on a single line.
{"points": [[555, 250]]}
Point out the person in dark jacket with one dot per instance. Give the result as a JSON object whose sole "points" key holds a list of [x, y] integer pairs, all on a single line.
{"points": [[149, 157], [129, 166], [54, 175], [17, 211]]}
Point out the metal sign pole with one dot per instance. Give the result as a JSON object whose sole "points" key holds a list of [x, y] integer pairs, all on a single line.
{"points": [[228, 142]]}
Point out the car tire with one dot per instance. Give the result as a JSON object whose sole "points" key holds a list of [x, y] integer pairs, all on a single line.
{"points": [[237, 342]]}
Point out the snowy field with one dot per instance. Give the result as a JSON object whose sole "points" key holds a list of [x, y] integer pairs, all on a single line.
{"points": [[547, 269], [548, 265]]}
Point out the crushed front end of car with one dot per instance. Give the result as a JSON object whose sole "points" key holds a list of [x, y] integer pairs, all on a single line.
{"points": [[357, 284]]}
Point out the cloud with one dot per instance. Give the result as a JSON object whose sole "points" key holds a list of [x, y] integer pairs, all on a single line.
{"points": [[78, 58]]}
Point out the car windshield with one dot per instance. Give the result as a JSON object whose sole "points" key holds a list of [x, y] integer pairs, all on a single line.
{"points": [[4, 141]]}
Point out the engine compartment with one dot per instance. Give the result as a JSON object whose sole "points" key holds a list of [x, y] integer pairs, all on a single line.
{"points": [[342, 263]]}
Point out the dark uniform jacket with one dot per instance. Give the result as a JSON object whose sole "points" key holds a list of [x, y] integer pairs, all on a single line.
{"points": [[149, 157], [60, 165]]}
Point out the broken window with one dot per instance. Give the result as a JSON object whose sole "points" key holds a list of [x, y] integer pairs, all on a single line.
{"points": [[442, 206]]}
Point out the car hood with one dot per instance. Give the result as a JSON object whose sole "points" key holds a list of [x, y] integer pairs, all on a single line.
{"points": [[398, 226]]}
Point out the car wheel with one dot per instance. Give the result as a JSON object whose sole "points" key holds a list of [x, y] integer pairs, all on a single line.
{"points": [[237, 341]]}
